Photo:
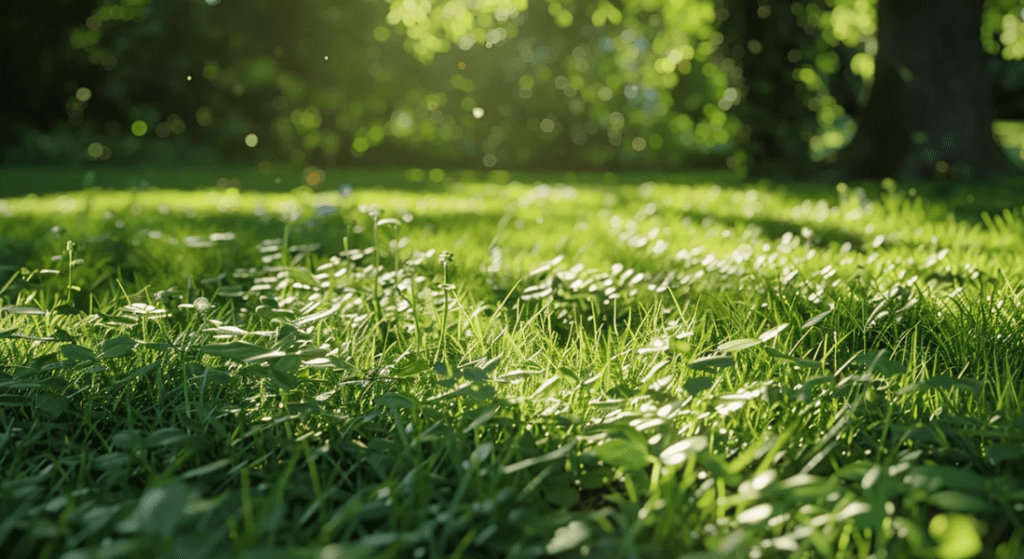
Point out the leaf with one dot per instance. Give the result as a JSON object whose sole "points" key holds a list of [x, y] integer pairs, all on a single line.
{"points": [[773, 333], [997, 453], [478, 392], [941, 382], [142, 371], [854, 470], [738, 345], [117, 347], [481, 419], [15, 309], [679, 346], [225, 329], [623, 453], [317, 316], [932, 477], [560, 452], [816, 319], [52, 405], [877, 362], [395, 400], [410, 366], [111, 461], [268, 356], [798, 361], [544, 386], [696, 385], [168, 436], [206, 469], [77, 353], [281, 372], [238, 351], [158, 512], [712, 363], [127, 439], [756, 514], [568, 537], [475, 374], [958, 501], [679, 452], [302, 275], [561, 496]]}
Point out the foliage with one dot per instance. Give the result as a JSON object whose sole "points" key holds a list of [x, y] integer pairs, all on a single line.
{"points": [[591, 367], [482, 84]]}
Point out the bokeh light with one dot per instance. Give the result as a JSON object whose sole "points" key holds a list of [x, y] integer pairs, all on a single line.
{"points": [[314, 177], [139, 128]]}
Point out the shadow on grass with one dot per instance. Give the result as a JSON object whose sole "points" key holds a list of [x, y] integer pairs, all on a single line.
{"points": [[21, 181]]}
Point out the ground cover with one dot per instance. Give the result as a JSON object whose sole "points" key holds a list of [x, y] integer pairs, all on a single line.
{"points": [[602, 368]]}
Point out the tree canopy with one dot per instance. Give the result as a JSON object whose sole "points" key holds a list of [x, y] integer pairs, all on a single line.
{"points": [[612, 84]]}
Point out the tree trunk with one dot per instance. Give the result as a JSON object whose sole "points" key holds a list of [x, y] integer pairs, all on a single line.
{"points": [[930, 110]]}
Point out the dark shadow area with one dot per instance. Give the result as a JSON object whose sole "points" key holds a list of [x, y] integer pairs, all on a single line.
{"points": [[24, 180], [822, 236]]}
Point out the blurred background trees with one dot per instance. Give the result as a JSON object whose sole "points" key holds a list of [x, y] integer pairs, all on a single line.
{"points": [[762, 86]]}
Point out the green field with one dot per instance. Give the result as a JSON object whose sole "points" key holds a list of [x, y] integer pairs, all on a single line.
{"points": [[460, 365]]}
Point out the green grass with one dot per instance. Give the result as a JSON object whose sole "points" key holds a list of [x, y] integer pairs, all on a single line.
{"points": [[470, 369]]}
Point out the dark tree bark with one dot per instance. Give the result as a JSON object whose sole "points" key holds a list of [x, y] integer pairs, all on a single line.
{"points": [[930, 110]]}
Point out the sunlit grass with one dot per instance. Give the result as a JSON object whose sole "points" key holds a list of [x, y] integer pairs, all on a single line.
{"points": [[600, 368]]}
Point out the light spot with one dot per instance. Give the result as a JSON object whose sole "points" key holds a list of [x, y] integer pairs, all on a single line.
{"points": [[83, 94], [139, 128], [478, 112], [204, 117], [252, 140], [315, 177]]}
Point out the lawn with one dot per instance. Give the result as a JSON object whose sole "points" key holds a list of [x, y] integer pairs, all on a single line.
{"points": [[419, 365]]}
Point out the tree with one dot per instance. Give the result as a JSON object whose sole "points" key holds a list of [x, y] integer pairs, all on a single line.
{"points": [[770, 86], [930, 109]]}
